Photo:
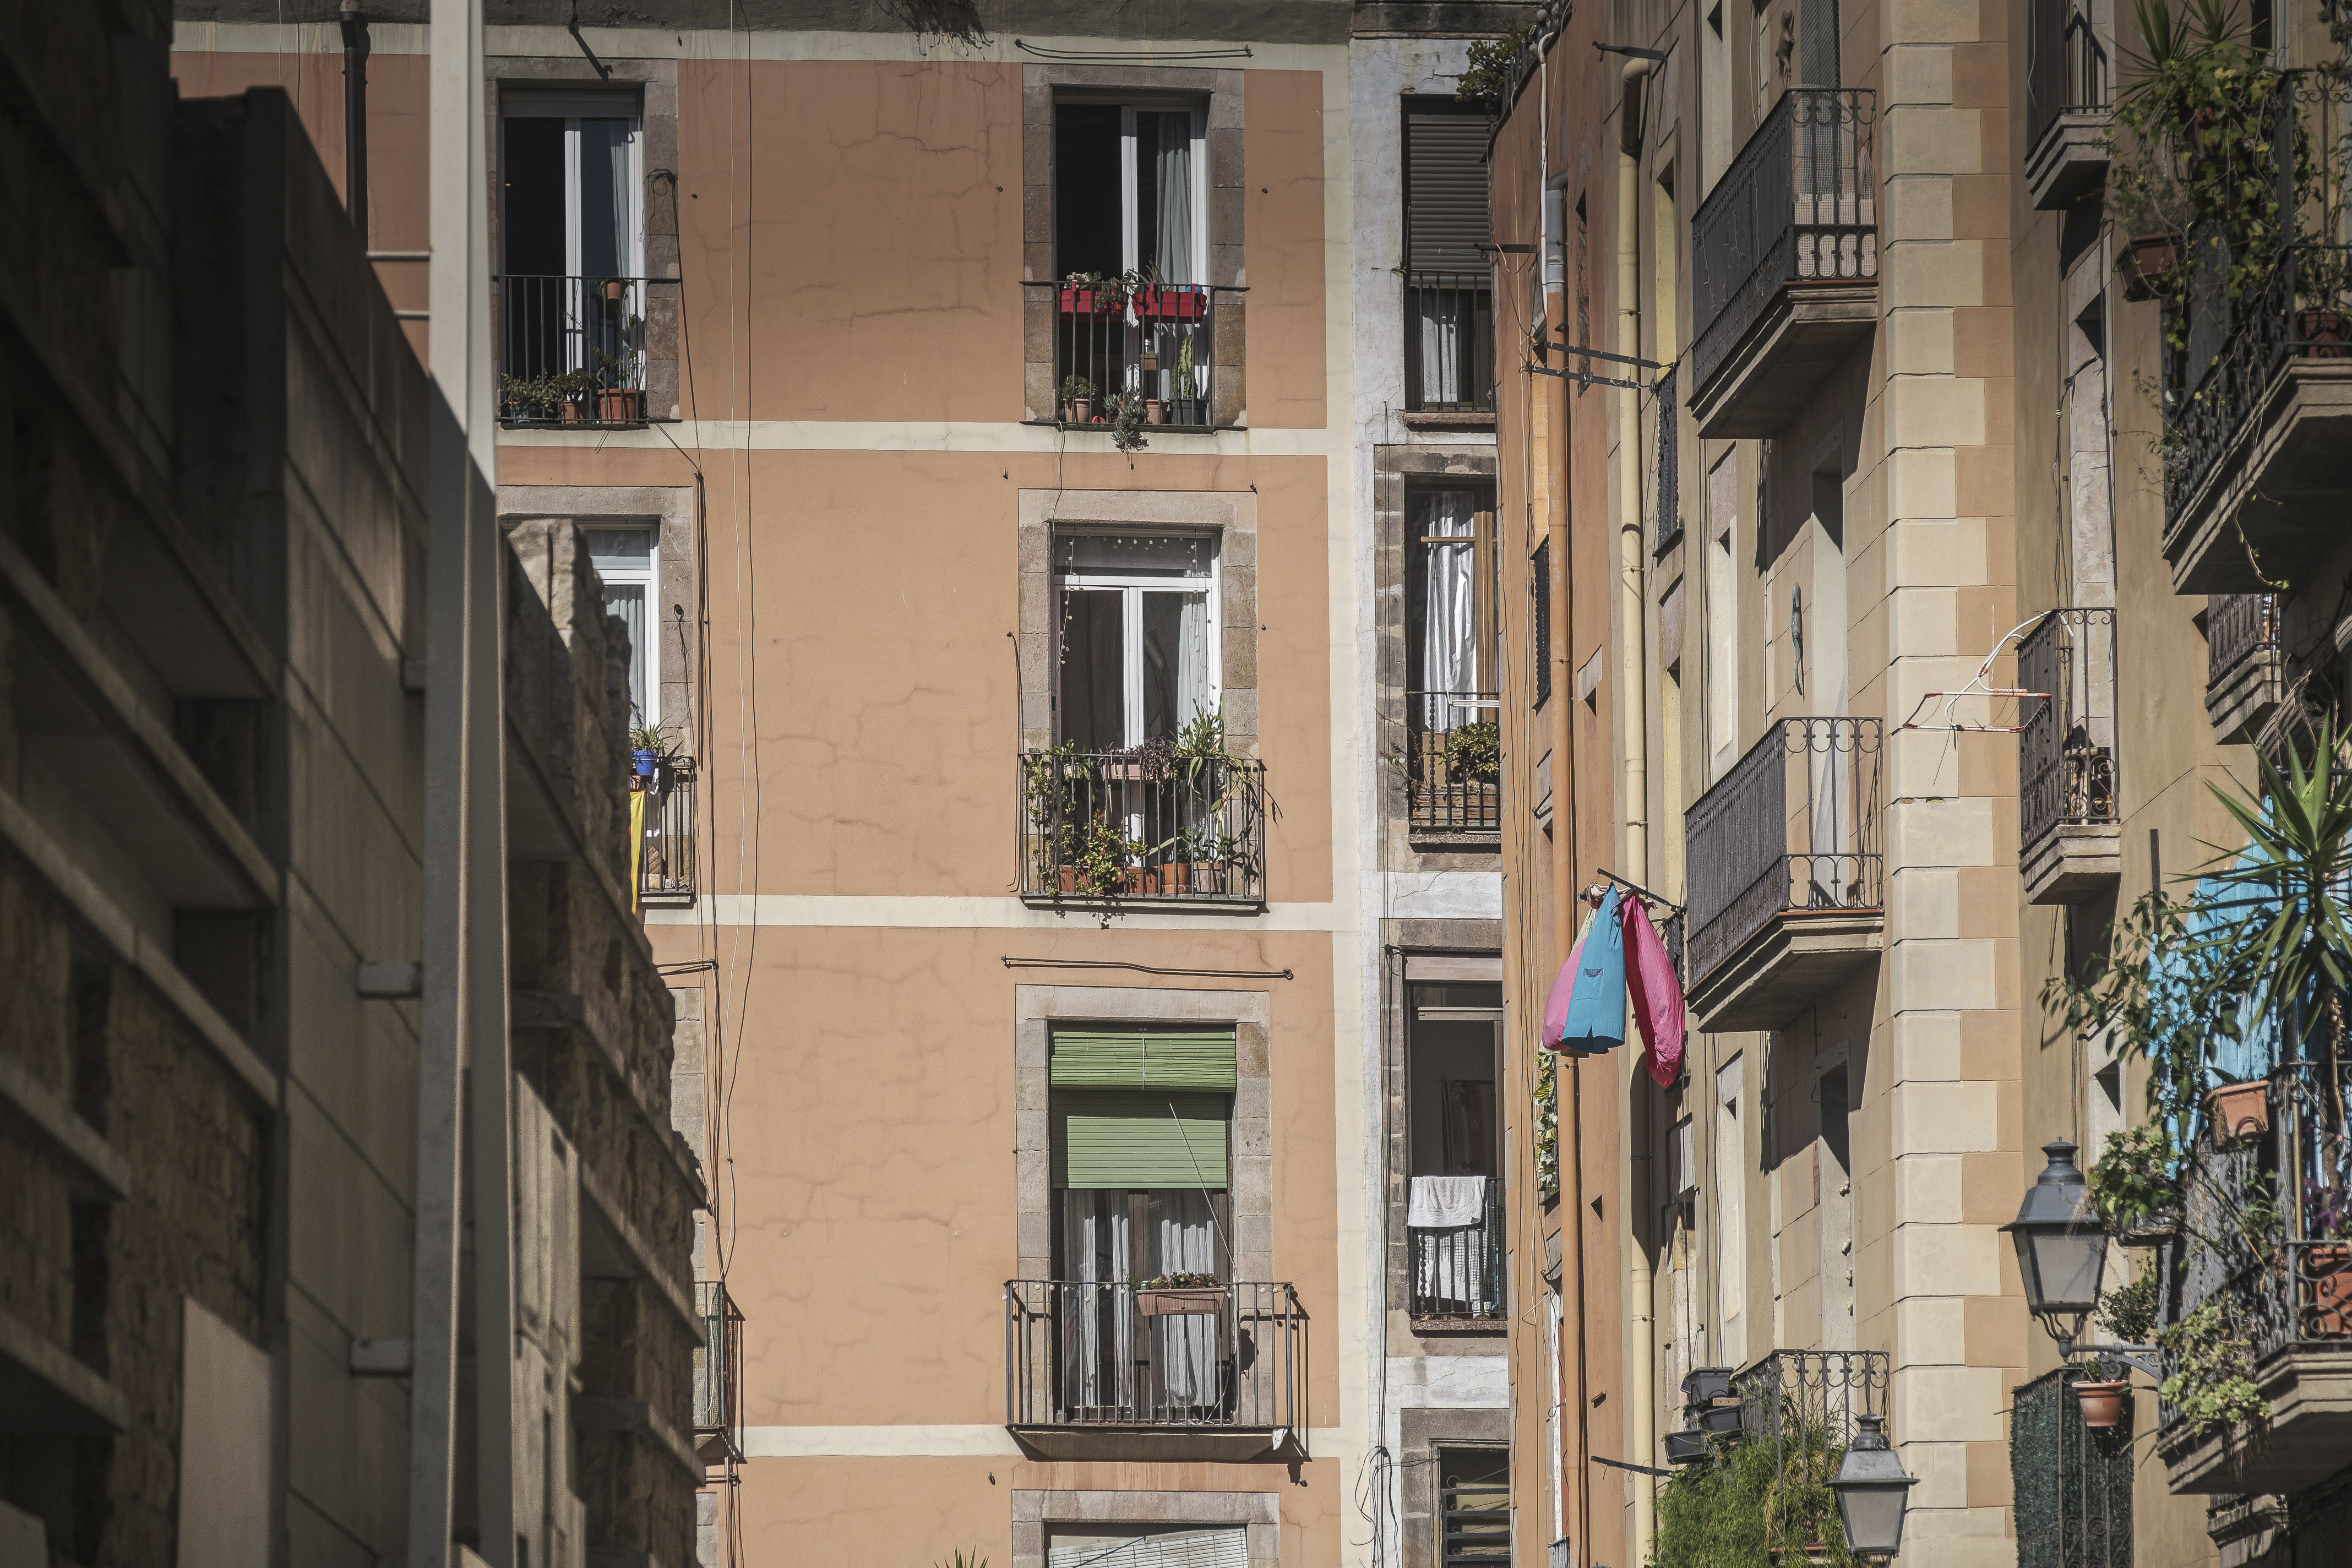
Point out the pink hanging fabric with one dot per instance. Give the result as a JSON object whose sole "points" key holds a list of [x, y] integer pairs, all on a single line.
{"points": [[1656, 995], [1563, 986]]}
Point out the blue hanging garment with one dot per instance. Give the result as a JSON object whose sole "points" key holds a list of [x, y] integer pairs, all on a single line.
{"points": [[1596, 1009]]}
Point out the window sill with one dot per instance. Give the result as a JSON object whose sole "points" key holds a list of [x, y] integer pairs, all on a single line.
{"points": [[1141, 429], [1158, 904], [1449, 419], [1494, 1327]]}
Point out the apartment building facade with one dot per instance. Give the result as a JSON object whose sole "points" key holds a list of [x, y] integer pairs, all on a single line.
{"points": [[1027, 445]]}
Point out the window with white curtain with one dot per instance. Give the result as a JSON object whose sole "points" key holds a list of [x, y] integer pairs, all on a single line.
{"points": [[571, 198], [1131, 189], [627, 561], [1138, 636], [1450, 608]]}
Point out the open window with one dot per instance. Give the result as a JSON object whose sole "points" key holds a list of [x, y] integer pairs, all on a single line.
{"points": [[571, 243], [1137, 656], [1454, 1204], [1453, 772]]}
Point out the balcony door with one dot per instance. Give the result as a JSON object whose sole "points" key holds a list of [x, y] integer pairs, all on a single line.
{"points": [[1453, 664], [1453, 1148], [571, 217], [1131, 195], [1137, 637]]}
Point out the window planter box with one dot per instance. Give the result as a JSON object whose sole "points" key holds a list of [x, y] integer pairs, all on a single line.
{"points": [[1169, 305], [1196, 1303], [1089, 301], [621, 405]]}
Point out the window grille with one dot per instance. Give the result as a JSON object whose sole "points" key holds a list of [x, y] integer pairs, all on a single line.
{"points": [[1670, 512], [1539, 612]]}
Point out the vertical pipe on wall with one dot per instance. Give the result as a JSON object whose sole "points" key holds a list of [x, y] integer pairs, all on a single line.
{"points": [[356, 54], [1632, 667]]}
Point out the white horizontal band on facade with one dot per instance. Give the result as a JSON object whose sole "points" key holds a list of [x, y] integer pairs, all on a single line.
{"points": [[912, 1442], [929, 436], [972, 915]]}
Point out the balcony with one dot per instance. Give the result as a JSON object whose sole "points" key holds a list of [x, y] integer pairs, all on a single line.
{"points": [[1106, 1370], [662, 812], [2067, 82], [2253, 443], [2245, 669], [1449, 348], [2072, 1482], [1784, 252], [1177, 347], [2070, 834], [1786, 873], [718, 1374], [2253, 1237], [1452, 789], [1457, 1272], [1143, 827], [571, 351]]}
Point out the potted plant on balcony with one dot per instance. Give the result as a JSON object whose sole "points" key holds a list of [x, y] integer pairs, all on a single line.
{"points": [[2104, 1392], [1187, 383], [530, 399], [1127, 420], [1180, 1295], [1077, 400], [2213, 1384], [612, 290], [2239, 1111], [620, 400], [649, 748]]}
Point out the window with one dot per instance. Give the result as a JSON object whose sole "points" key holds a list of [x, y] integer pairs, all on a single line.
{"points": [[1148, 1546], [1473, 1508], [572, 229], [625, 561], [1130, 196], [1449, 303], [1138, 629], [1452, 669], [1722, 614], [1452, 1150], [1539, 590], [1730, 1217]]}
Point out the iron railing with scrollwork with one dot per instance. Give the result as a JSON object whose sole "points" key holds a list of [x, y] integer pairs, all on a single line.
{"points": [[1158, 341], [1792, 827], [1807, 1404], [1443, 795], [2067, 67], [1141, 824], [1449, 343], [2237, 627], [2071, 1483], [2300, 312], [1108, 1354], [2067, 756], [1797, 207]]}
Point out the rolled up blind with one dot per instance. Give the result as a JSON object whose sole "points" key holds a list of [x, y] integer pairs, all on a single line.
{"points": [[1145, 1056], [1113, 1138], [1445, 190]]}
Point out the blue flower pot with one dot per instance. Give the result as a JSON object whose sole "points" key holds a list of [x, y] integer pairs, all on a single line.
{"points": [[646, 761]]}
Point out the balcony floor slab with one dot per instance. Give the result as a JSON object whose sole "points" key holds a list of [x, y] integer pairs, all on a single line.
{"points": [[2280, 481], [2071, 862], [1790, 961], [1790, 349], [2245, 695], [2308, 1438], [2070, 159], [1145, 1445]]}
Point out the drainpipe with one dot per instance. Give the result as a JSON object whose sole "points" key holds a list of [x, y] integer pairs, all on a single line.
{"points": [[1633, 667], [356, 54]]}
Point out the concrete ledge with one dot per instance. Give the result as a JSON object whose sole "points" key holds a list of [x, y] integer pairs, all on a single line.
{"points": [[100, 1171], [2071, 862], [2280, 479], [2069, 161], [45, 1392], [1789, 349], [1794, 958], [2246, 695], [2307, 1440], [1155, 1444]]}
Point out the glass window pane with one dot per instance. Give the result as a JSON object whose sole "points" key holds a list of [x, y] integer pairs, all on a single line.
{"points": [[605, 147], [1134, 554], [621, 549], [627, 600], [1093, 675], [1175, 660]]}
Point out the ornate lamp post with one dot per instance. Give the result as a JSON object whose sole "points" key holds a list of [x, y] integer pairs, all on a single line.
{"points": [[1872, 1490]]}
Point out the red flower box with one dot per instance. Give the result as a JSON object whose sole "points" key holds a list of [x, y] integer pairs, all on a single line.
{"points": [[1169, 304], [1089, 302]]}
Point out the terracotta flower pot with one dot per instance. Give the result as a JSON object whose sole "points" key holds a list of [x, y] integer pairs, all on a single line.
{"points": [[573, 410], [1082, 411], [621, 405], [614, 289], [1152, 410], [2329, 1271], [2103, 1403], [2145, 261], [1184, 1303], [2239, 1111]]}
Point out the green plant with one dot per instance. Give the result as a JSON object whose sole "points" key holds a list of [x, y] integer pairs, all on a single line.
{"points": [[1750, 1504], [1127, 420], [1099, 855], [1546, 1123], [1077, 389], [2129, 1312], [1178, 1281], [1185, 387], [1474, 751], [2213, 1384], [617, 370], [649, 738], [2137, 1176], [961, 1561], [1490, 64]]}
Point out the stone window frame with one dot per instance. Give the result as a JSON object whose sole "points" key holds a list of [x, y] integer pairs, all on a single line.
{"points": [[1480, 938], [1420, 1435], [1398, 471], [1228, 268], [1036, 1008], [1231, 515], [670, 509], [1034, 1509], [657, 83]]}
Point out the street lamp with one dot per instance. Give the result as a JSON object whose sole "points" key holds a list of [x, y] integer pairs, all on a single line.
{"points": [[2062, 1247], [1871, 1491]]}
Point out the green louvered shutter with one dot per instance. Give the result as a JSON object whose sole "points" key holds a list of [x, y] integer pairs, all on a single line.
{"points": [[1122, 1139], [1147, 1056]]}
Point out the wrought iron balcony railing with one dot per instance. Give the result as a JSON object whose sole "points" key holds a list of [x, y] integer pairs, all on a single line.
{"points": [[1797, 207], [2067, 66], [1157, 343], [1807, 1401], [1458, 1272], [1793, 829], [1227, 1357], [1449, 343], [2239, 627], [2071, 1484], [1142, 824], [1453, 761], [2067, 756], [717, 1372], [665, 856], [2300, 312], [572, 351]]}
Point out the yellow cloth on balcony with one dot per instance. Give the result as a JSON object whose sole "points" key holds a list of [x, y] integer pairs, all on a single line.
{"points": [[636, 844]]}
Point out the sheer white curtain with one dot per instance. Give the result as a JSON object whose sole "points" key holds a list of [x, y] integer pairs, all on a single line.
{"points": [[1441, 315], [1097, 1328], [1449, 647], [1184, 1241], [1194, 693], [1172, 166]]}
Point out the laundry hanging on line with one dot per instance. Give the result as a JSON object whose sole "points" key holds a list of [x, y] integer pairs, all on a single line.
{"points": [[1618, 956]]}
